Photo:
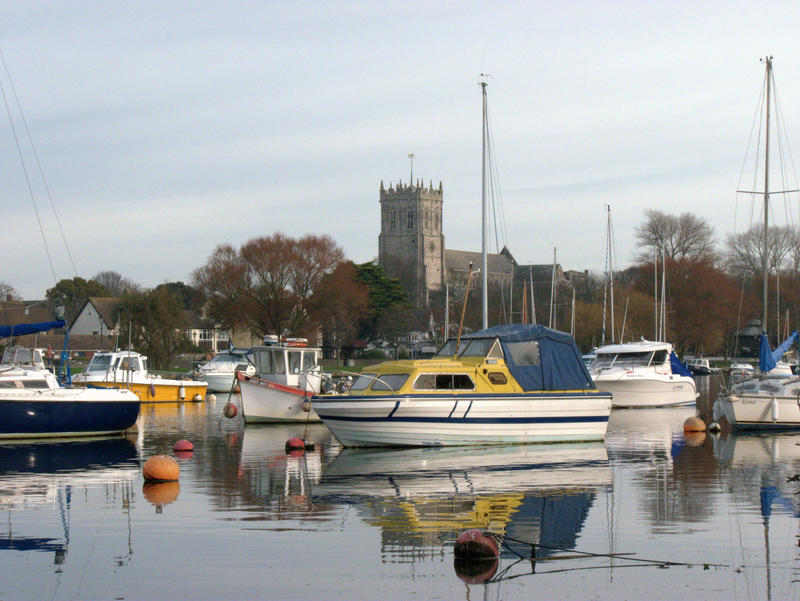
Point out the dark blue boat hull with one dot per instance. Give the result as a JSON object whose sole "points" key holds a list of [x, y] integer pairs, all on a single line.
{"points": [[48, 417]]}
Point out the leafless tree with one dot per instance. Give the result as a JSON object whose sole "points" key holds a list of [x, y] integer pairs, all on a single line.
{"points": [[115, 283], [745, 251], [8, 292], [680, 237]]}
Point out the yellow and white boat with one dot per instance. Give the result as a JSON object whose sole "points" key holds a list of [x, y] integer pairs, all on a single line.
{"points": [[128, 369], [503, 385]]}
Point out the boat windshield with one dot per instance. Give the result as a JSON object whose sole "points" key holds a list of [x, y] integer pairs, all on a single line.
{"points": [[225, 358], [628, 360], [389, 382], [449, 348], [99, 363], [363, 381], [473, 347]]}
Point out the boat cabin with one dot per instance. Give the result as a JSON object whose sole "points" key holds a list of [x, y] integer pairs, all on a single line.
{"points": [[632, 355], [111, 362], [24, 356], [500, 360], [284, 364]]}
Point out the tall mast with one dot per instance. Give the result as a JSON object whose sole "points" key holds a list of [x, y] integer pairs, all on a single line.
{"points": [[764, 263], [484, 220]]}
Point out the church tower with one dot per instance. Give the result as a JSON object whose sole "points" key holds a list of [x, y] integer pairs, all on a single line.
{"points": [[411, 243]]}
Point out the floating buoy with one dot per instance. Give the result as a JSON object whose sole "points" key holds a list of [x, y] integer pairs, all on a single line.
{"points": [[713, 427], [183, 455], [229, 410], [211, 398], [475, 571], [161, 468], [295, 444], [152, 390], [197, 397], [182, 392], [306, 406], [237, 389], [183, 445], [161, 493], [476, 544], [694, 424]]}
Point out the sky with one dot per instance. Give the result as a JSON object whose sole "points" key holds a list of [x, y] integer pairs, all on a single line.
{"points": [[166, 128]]}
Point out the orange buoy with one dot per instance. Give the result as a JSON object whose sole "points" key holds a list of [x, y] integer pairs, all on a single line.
{"points": [[306, 406], [161, 468], [161, 493], [476, 544], [183, 445], [694, 424], [229, 410]]}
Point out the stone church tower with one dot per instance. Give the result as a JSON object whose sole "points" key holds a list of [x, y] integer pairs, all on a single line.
{"points": [[411, 243]]}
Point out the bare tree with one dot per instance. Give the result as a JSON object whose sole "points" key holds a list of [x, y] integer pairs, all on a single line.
{"points": [[745, 251], [115, 283], [270, 284], [680, 237], [8, 292]]}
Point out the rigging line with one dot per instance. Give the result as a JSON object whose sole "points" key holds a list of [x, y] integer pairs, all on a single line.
{"points": [[27, 180], [756, 119], [495, 175], [784, 148], [38, 162]]}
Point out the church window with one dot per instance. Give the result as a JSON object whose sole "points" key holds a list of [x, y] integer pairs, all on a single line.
{"points": [[411, 219]]}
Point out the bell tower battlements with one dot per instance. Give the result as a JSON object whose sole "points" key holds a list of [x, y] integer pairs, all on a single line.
{"points": [[411, 242]]}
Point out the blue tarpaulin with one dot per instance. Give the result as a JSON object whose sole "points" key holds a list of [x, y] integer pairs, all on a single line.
{"points": [[21, 329], [767, 358], [679, 367], [560, 366]]}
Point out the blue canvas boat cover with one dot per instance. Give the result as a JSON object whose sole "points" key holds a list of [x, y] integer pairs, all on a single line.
{"points": [[767, 358], [21, 329], [560, 365], [679, 367]]}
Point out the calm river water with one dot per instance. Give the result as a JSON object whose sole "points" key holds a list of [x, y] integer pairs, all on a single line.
{"points": [[646, 515]]}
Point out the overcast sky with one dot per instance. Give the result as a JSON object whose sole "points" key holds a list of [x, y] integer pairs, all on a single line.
{"points": [[166, 128]]}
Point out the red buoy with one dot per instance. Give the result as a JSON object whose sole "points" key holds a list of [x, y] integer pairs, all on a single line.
{"points": [[229, 410], [183, 445], [295, 444], [476, 544]]}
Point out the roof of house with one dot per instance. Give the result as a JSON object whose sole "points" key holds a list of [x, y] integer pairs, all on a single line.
{"points": [[105, 307], [459, 260]]}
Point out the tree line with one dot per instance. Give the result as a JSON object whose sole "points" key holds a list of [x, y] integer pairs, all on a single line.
{"points": [[277, 284]]}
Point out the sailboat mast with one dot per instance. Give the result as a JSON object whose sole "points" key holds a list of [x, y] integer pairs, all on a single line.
{"points": [[764, 262], [484, 220]]}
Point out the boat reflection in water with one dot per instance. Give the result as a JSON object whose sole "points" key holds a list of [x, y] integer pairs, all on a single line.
{"points": [[278, 484], [423, 498], [39, 476]]}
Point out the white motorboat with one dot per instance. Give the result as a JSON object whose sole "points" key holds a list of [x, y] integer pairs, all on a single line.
{"points": [[286, 376], [517, 383], [700, 366], [640, 374], [220, 372]]}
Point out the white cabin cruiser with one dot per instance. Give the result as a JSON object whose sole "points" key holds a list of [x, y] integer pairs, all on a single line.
{"points": [[220, 372], [640, 374], [287, 375]]}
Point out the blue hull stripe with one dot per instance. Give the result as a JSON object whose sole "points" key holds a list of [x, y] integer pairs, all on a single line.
{"points": [[468, 408], [470, 420], [396, 407], [453, 409]]}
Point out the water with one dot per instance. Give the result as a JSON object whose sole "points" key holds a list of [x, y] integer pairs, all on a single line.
{"points": [[715, 517]]}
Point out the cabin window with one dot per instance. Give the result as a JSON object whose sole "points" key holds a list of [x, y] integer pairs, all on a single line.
{"points": [[35, 384], [497, 377], [443, 382], [363, 381], [10, 384], [99, 363], [524, 353], [309, 361], [294, 361], [660, 356], [390, 382], [449, 348], [478, 347], [269, 362], [496, 352]]}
